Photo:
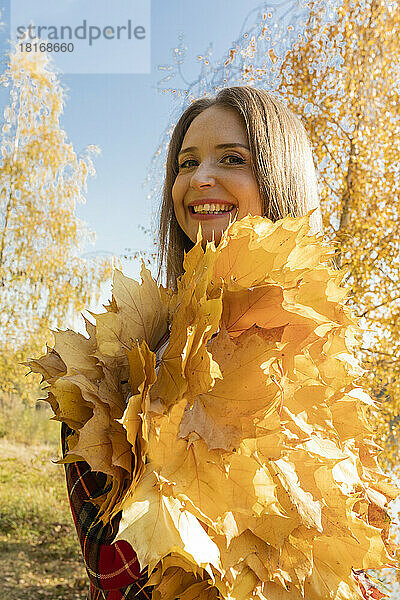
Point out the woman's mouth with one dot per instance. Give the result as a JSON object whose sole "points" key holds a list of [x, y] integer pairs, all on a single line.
{"points": [[210, 211]]}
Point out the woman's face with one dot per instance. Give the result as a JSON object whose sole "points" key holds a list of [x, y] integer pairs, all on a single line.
{"points": [[215, 180]]}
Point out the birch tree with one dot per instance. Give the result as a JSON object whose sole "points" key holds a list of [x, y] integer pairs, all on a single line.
{"points": [[43, 280], [342, 78]]}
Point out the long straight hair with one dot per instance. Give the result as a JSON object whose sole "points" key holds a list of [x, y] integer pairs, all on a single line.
{"points": [[281, 161]]}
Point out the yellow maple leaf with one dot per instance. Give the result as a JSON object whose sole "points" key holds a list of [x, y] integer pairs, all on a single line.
{"points": [[224, 416], [157, 524]]}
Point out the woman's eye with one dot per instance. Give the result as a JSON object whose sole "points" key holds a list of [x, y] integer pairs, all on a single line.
{"points": [[184, 164], [237, 158]]}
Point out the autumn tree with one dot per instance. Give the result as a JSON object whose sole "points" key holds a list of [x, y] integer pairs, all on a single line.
{"points": [[341, 78], [351, 114], [43, 280]]}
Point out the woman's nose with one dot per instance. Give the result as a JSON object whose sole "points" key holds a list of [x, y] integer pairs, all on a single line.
{"points": [[203, 177]]}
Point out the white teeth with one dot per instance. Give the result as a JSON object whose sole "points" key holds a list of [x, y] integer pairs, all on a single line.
{"points": [[212, 208]]}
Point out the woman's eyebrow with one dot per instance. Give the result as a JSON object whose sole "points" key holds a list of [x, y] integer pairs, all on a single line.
{"points": [[229, 145]]}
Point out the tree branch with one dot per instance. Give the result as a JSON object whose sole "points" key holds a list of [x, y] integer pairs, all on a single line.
{"points": [[378, 306]]}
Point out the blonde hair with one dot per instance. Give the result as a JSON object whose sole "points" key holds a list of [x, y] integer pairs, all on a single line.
{"points": [[282, 164]]}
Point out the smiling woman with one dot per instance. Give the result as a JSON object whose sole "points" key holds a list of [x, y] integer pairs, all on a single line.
{"points": [[242, 152], [215, 180]]}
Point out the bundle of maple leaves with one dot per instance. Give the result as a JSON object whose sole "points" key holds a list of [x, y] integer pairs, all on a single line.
{"points": [[244, 465]]}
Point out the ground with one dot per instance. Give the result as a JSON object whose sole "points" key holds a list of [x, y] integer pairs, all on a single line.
{"points": [[39, 552]]}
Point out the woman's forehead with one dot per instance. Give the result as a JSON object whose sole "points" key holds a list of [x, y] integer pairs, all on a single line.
{"points": [[216, 123]]}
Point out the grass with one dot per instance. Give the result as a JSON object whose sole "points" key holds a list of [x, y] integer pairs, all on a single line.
{"points": [[40, 556], [29, 425]]}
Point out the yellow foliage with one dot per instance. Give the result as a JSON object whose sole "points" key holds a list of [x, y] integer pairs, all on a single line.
{"points": [[43, 280], [341, 79], [246, 465]]}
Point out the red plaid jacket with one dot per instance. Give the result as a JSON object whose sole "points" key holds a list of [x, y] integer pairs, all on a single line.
{"points": [[113, 568]]}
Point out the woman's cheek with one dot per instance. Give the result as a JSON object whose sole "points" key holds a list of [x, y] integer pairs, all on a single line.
{"points": [[177, 198], [174, 198], [177, 194]]}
